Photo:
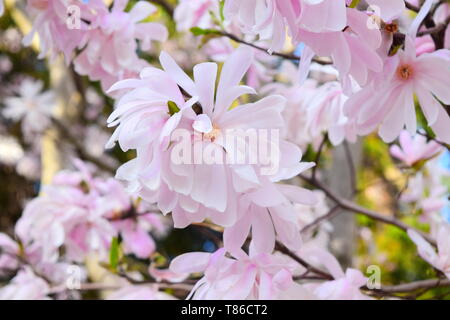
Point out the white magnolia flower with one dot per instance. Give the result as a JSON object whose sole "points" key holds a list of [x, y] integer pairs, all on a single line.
{"points": [[31, 106]]}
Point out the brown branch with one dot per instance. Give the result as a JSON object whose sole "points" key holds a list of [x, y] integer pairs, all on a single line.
{"points": [[417, 285], [329, 215], [426, 135], [318, 155], [283, 249], [352, 207], [106, 286], [278, 54], [84, 155], [437, 29]]}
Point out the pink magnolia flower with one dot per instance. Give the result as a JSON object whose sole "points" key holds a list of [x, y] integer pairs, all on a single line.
{"points": [[135, 234], [110, 53], [441, 259], [353, 49], [194, 190], [9, 250], [424, 44], [72, 212], [31, 106], [389, 102], [195, 13], [326, 114], [269, 213], [428, 192], [25, 286], [345, 286], [166, 274], [258, 73], [388, 9], [261, 276], [414, 149], [57, 31], [299, 97], [319, 235], [269, 19], [312, 109]]}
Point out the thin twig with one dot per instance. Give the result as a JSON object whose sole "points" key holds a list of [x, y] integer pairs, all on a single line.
{"points": [[417, 285], [84, 155], [278, 54], [352, 207], [283, 249], [445, 145], [328, 216], [318, 155]]}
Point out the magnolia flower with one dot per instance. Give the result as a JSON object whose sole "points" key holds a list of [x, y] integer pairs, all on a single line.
{"points": [[414, 149], [57, 31], [353, 49], [441, 259], [9, 249], [428, 192], [326, 113], [190, 188], [258, 73], [31, 106], [345, 286], [135, 234], [73, 212], [195, 13], [269, 19], [260, 276], [389, 100], [25, 286], [312, 109], [441, 14], [387, 9], [110, 54], [318, 235], [299, 97], [269, 213]]}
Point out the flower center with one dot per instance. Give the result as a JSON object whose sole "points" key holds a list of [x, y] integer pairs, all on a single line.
{"points": [[391, 27], [31, 105], [404, 72], [212, 135]]}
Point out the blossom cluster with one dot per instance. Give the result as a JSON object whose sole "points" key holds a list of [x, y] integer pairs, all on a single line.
{"points": [[77, 216], [222, 145], [100, 42]]}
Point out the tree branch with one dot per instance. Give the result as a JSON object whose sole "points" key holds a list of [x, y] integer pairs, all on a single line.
{"points": [[279, 54], [352, 207], [80, 148], [283, 249], [417, 285]]}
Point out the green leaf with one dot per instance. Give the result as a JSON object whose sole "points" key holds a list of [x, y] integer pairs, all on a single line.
{"points": [[221, 6], [114, 253], [196, 31], [173, 108], [354, 4]]}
